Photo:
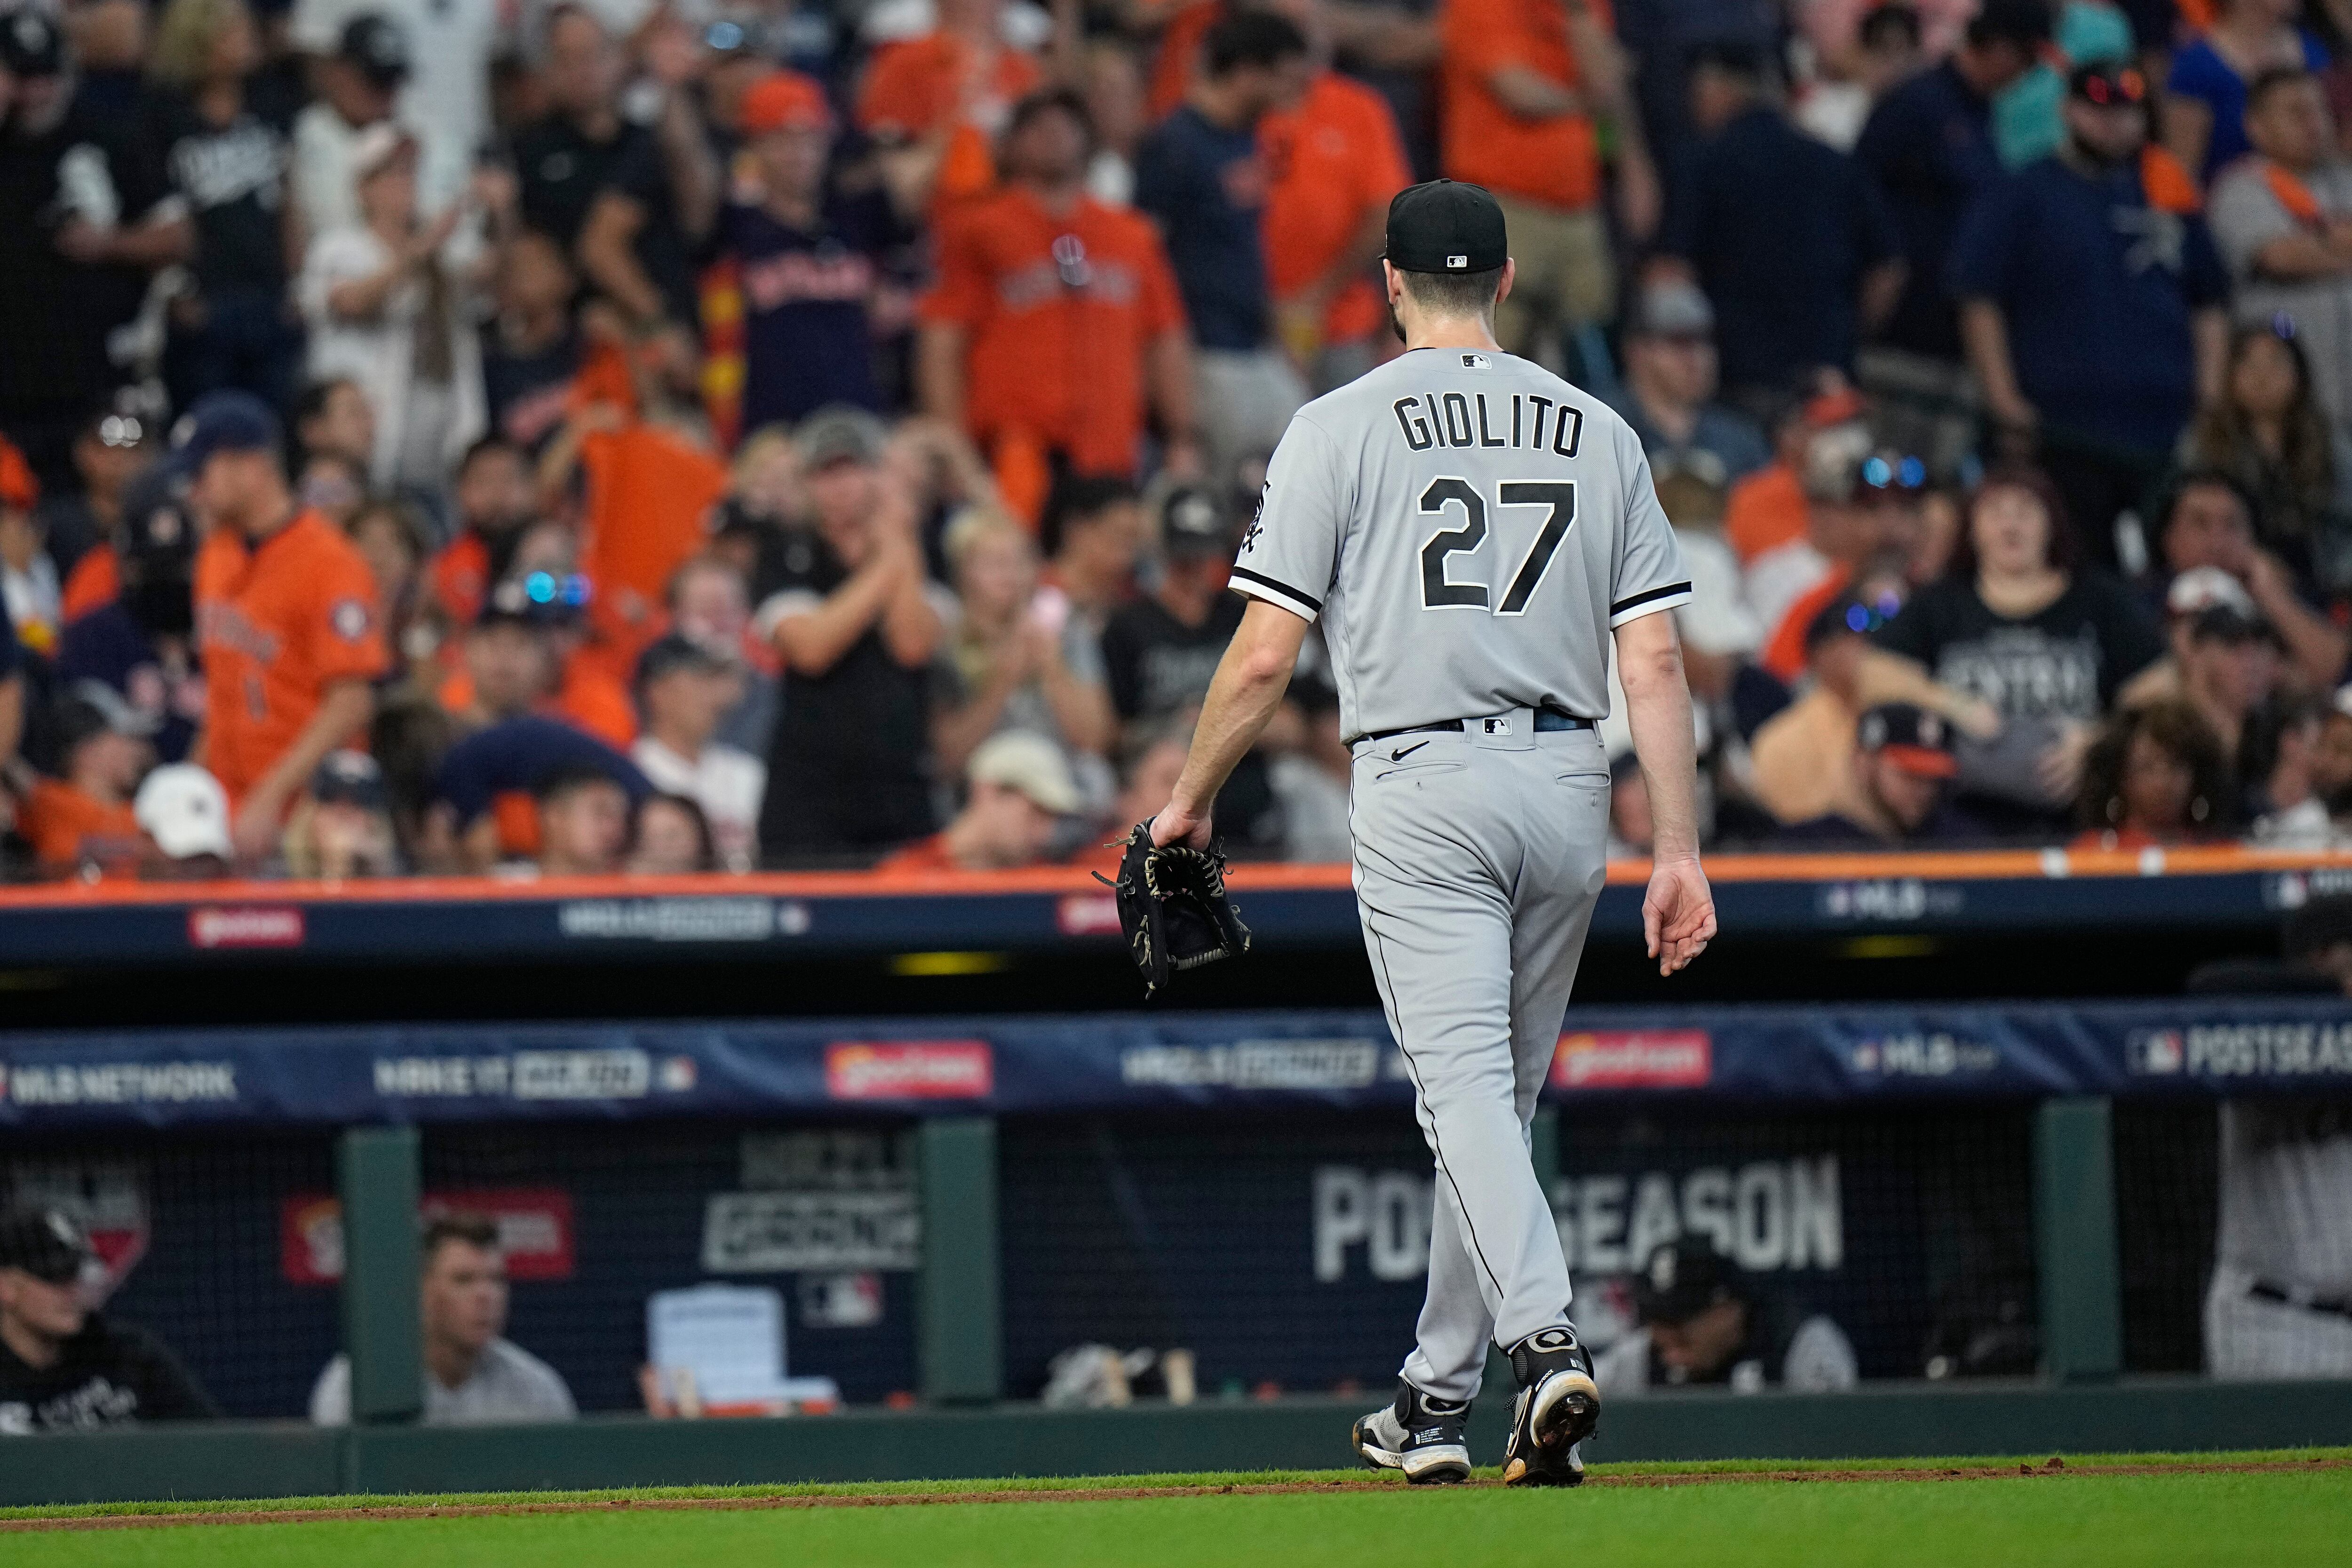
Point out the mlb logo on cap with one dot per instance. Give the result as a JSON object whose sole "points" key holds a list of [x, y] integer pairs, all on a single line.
{"points": [[1445, 227]]}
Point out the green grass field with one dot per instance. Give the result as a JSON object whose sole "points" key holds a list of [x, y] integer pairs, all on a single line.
{"points": [[2139, 1508]]}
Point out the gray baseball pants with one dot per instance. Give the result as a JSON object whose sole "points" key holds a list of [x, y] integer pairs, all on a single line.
{"points": [[1478, 856]]}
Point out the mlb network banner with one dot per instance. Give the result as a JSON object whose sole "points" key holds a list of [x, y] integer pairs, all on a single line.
{"points": [[1754, 1055]]}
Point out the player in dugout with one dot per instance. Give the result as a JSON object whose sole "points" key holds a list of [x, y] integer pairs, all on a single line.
{"points": [[474, 1376], [64, 1367], [286, 617], [1703, 1320]]}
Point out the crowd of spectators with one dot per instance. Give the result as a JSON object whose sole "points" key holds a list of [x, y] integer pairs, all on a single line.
{"points": [[658, 437]]}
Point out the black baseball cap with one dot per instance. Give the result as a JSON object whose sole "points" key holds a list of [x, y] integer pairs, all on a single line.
{"points": [[349, 778], [1445, 226], [1192, 525], [46, 1243], [92, 708], [1910, 737], [228, 421], [673, 653], [1681, 1280], [377, 47], [30, 44], [155, 520]]}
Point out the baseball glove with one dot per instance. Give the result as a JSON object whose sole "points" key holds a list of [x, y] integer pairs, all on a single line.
{"points": [[1173, 906]]}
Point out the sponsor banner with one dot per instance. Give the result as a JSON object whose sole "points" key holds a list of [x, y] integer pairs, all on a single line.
{"points": [[913, 1069], [119, 1083], [1633, 1058], [1767, 1215], [620, 1073], [786, 1232], [2224, 1051], [245, 927], [689, 920], [1890, 900], [1087, 914], [534, 1231], [1762, 1055], [1312, 1064]]}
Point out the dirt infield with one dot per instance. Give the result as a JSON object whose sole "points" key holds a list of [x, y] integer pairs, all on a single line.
{"points": [[2055, 1467]]}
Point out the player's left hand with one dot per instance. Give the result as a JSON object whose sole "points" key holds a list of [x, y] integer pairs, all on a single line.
{"points": [[1174, 824], [1678, 915]]}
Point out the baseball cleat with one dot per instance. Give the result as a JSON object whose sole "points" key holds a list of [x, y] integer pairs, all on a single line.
{"points": [[1419, 1434], [1558, 1407]]}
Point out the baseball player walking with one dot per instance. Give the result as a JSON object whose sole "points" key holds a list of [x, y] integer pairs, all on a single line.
{"points": [[1472, 532]]}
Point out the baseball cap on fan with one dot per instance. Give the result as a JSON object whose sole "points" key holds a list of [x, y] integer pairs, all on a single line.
{"points": [[30, 44], [91, 709], [223, 422], [1445, 226], [184, 810], [1910, 737], [377, 47], [1192, 525], [2215, 602], [784, 100], [1031, 764], [839, 434], [346, 777]]}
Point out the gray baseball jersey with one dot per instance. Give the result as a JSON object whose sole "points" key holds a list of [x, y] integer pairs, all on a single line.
{"points": [[1469, 527], [2284, 1240]]}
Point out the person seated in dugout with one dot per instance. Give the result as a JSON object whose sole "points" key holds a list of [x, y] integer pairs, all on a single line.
{"points": [[1702, 1321], [1899, 791], [474, 1376], [65, 1366]]}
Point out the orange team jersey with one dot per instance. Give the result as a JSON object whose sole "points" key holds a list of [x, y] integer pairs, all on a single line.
{"points": [[92, 584], [1055, 352], [1180, 52], [1333, 157], [1764, 512], [460, 576], [650, 493], [2167, 183], [1555, 161], [591, 698], [916, 86], [279, 623], [597, 700], [66, 825]]}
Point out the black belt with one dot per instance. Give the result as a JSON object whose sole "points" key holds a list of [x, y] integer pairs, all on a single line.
{"points": [[1549, 720], [2333, 1306]]}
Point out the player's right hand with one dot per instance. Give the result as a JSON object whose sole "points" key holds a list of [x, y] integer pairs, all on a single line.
{"points": [[1678, 914]]}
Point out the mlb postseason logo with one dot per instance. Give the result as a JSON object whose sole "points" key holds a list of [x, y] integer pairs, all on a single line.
{"points": [[2157, 1052]]}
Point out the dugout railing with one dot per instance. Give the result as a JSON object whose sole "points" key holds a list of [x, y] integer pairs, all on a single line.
{"points": [[2036, 1180]]}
